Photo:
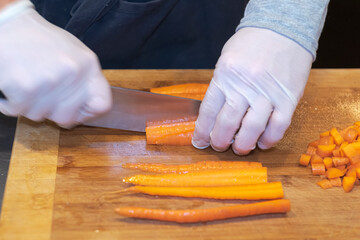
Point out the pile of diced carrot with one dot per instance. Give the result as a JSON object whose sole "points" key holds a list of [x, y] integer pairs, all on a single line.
{"points": [[335, 156]]}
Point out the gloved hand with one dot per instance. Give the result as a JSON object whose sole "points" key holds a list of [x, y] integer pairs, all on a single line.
{"points": [[47, 73], [257, 83]]}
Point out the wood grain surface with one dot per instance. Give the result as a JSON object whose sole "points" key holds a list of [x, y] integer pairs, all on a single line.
{"points": [[59, 179]]}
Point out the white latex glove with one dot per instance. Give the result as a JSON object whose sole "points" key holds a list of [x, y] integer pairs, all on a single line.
{"points": [[47, 73], [257, 83]]}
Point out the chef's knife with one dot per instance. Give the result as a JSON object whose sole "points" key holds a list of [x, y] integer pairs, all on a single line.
{"points": [[132, 109]]}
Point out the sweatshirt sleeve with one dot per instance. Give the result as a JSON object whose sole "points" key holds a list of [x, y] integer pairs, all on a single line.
{"points": [[300, 20]]}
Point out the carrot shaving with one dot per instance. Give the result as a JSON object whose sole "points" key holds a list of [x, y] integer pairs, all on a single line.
{"points": [[205, 215]]}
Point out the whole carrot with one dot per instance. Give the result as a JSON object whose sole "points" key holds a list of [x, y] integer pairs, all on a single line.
{"points": [[193, 167], [205, 215], [260, 191], [205, 178]]}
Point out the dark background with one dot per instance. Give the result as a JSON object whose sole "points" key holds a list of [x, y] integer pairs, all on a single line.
{"points": [[339, 47]]}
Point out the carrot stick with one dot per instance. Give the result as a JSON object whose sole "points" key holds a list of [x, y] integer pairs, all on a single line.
{"points": [[206, 178], [175, 133], [190, 90], [260, 191], [184, 168], [205, 215]]}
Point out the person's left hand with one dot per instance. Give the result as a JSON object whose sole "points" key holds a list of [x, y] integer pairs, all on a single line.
{"points": [[257, 83]]}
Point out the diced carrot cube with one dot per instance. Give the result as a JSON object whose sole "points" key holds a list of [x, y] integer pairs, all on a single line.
{"points": [[348, 183], [311, 150], [335, 182], [325, 184], [304, 159], [316, 159], [338, 161], [336, 135], [328, 162], [334, 173], [325, 134], [318, 168]]}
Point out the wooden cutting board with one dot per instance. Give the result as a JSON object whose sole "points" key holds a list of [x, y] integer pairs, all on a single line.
{"points": [[57, 178]]}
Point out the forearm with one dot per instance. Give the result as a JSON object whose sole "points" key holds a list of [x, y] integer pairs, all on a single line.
{"points": [[3, 3], [299, 20]]}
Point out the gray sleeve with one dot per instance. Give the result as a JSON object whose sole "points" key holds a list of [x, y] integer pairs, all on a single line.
{"points": [[299, 20]]}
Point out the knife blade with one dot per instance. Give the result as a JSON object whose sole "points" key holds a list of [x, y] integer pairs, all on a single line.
{"points": [[132, 109]]}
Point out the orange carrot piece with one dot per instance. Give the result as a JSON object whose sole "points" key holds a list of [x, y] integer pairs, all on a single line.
{"points": [[316, 159], [205, 215], [190, 90], [338, 161], [193, 167], [352, 151], [328, 162], [334, 173], [350, 135], [348, 183], [324, 183], [314, 143], [351, 172], [260, 191], [177, 133], [358, 172], [206, 178], [335, 182], [304, 159], [325, 134], [311, 150], [337, 137], [325, 150], [318, 168], [327, 140], [336, 153], [342, 168]]}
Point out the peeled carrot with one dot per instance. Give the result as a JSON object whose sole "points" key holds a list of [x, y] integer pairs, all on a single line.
{"points": [[221, 177], [184, 168], [205, 215], [174, 133], [190, 90], [260, 191]]}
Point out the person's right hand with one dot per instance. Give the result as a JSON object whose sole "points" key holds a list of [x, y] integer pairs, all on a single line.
{"points": [[47, 73]]}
